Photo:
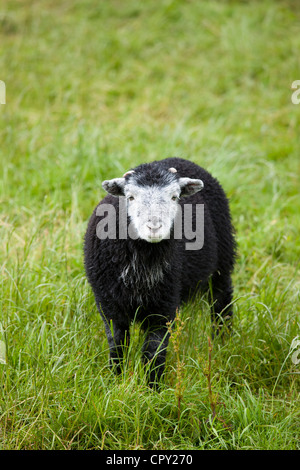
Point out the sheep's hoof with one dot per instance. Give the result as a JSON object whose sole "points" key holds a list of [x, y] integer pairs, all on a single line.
{"points": [[222, 327]]}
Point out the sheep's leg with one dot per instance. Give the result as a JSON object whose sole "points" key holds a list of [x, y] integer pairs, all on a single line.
{"points": [[154, 353], [117, 338], [221, 303]]}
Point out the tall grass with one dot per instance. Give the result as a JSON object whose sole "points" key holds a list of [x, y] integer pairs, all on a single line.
{"points": [[92, 89]]}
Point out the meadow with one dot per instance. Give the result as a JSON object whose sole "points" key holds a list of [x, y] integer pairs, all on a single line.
{"points": [[94, 88]]}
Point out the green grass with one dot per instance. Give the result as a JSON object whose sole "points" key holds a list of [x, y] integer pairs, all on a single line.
{"points": [[92, 89]]}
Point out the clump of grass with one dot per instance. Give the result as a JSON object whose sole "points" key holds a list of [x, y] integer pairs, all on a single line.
{"points": [[213, 398]]}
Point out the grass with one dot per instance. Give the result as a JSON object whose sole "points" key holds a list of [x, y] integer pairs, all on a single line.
{"points": [[92, 89]]}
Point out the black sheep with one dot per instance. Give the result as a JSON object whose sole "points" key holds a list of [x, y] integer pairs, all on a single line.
{"points": [[140, 258]]}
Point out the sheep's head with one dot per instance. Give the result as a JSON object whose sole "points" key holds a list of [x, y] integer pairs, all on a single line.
{"points": [[152, 196]]}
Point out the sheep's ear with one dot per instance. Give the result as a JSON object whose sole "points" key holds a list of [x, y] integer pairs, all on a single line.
{"points": [[114, 186], [190, 186]]}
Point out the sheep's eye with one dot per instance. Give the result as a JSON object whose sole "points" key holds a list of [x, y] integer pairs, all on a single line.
{"points": [[175, 198], [130, 198]]}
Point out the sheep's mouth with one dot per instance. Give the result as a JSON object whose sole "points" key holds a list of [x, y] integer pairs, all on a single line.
{"points": [[154, 235], [154, 239]]}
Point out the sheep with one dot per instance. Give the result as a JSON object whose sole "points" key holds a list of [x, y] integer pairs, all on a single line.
{"points": [[141, 263]]}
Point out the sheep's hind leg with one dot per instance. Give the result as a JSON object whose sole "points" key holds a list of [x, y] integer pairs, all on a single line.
{"points": [[221, 292]]}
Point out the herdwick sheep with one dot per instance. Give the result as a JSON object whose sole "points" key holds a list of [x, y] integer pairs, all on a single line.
{"points": [[163, 232]]}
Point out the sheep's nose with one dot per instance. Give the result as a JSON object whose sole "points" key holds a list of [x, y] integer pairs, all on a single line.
{"points": [[154, 223], [153, 220], [153, 229]]}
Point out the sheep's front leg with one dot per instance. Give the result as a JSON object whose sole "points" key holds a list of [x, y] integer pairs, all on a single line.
{"points": [[118, 338], [154, 353]]}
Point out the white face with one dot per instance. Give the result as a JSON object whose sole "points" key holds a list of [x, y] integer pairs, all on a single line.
{"points": [[152, 209]]}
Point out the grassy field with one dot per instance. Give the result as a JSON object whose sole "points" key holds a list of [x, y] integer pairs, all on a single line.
{"points": [[92, 89]]}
